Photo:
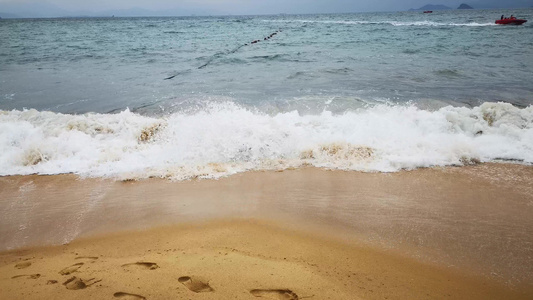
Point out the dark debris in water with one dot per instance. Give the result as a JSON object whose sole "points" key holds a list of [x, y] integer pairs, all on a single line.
{"points": [[221, 54]]}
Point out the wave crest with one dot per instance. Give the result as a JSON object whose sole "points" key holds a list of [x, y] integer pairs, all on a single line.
{"points": [[223, 139], [386, 22]]}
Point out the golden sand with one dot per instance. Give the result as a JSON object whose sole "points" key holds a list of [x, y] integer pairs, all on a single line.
{"points": [[229, 260], [446, 233]]}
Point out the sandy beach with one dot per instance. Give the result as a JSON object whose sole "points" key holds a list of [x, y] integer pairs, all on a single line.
{"points": [[265, 150], [435, 233]]}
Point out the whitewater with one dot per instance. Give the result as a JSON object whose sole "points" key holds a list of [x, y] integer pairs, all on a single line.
{"points": [[225, 139]]}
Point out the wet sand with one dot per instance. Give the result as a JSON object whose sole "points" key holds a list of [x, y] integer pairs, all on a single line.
{"points": [[454, 233]]}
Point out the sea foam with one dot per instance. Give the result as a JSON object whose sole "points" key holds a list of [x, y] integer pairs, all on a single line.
{"points": [[425, 23], [224, 138]]}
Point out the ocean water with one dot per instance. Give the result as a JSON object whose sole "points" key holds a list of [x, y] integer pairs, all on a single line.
{"points": [[190, 97]]}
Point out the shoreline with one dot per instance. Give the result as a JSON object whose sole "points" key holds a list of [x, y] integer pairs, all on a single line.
{"points": [[471, 221]]}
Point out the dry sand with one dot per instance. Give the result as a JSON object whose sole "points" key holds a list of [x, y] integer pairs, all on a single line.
{"points": [[450, 233]]}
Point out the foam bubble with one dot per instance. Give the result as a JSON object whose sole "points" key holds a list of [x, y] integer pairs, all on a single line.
{"points": [[223, 139]]}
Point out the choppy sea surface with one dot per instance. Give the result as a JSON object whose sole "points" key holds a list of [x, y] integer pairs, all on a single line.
{"points": [[188, 97]]}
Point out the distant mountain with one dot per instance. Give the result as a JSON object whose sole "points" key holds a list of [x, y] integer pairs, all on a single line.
{"points": [[30, 10], [431, 7], [46, 10], [8, 16], [481, 4], [141, 12], [465, 6]]}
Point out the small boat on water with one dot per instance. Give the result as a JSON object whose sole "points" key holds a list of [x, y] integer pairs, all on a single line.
{"points": [[428, 11], [513, 21]]}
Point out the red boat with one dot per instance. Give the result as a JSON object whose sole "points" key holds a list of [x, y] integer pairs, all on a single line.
{"points": [[511, 21]]}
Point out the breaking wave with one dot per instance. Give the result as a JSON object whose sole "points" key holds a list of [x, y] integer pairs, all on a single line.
{"points": [[393, 23], [224, 139]]}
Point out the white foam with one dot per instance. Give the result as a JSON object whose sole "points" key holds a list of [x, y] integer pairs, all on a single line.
{"points": [[437, 24], [387, 22], [224, 139]]}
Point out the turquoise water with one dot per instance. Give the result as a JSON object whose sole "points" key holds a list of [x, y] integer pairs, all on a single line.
{"points": [[194, 97]]}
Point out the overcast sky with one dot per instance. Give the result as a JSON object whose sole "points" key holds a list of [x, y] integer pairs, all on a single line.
{"points": [[258, 6]]}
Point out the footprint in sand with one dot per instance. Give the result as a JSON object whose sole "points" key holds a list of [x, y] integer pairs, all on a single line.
{"points": [[30, 276], [142, 264], [87, 257], [195, 284], [281, 294], [75, 283], [128, 296], [23, 265], [71, 269]]}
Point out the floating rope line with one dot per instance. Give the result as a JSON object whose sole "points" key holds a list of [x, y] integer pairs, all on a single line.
{"points": [[231, 52]]}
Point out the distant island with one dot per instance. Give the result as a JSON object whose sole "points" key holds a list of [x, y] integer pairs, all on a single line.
{"points": [[465, 6], [431, 7]]}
